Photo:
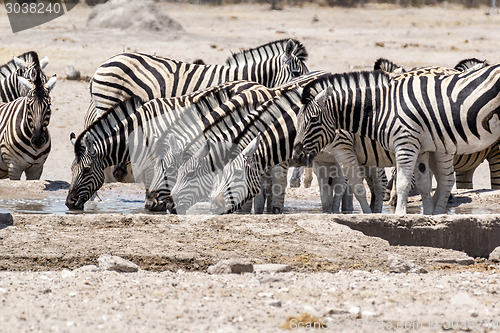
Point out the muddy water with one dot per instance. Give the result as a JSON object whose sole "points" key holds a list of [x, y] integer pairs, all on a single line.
{"points": [[130, 201]]}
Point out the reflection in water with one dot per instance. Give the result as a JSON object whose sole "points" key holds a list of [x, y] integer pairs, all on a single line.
{"points": [[133, 203]]}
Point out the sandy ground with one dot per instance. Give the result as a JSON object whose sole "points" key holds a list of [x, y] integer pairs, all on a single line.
{"points": [[338, 275]]}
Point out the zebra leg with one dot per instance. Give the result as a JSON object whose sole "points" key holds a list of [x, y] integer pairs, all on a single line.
{"points": [[15, 172], [405, 164], [296, 174], [355, 177], [246, 208], [464, 179], [278, 188], [260, 199], [325, 188], [423, 182], [374, 176], [34, 172], [331, 185], [445, 176], [308, 177], [347, 202], [494, 161]]}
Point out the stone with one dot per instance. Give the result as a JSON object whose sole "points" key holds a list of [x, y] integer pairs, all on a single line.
{"points": [[271, 268], [495, 255], [234, 266], [72, 73], [397, 265], [87, 268], [114, 263]]}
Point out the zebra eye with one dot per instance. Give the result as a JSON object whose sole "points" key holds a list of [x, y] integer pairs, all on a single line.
{"points": [[314, 118]]}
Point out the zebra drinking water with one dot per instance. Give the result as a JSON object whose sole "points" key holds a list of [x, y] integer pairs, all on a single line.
{"points": [[133, 129]]}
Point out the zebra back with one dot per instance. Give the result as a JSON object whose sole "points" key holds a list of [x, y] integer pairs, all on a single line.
{"points": [[147, 76]]}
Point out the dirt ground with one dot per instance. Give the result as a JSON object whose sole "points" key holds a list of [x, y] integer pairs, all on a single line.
{"points": [[338, 276]]}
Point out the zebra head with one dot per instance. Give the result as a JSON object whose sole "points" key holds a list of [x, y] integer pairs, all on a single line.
{"points": [[313, 131], [158, 196], [38, 108], [239, 181], [191, 184], [87, 172]]}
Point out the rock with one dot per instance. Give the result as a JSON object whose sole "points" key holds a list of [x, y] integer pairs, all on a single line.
{"points": [[117, 264], [87, 268], [145, 13], [495, 255], [72, 73], [397, 265], [235, 266], [66, 273], [271, 268]]}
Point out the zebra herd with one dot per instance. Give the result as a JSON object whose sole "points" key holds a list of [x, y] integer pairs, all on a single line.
{"points": [[228, 133]]}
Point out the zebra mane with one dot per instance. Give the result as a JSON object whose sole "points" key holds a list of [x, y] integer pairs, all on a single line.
{"points": [[103, 124], [470, 64], [206, 99], [361, 79], [388, 66], [279, 46]]}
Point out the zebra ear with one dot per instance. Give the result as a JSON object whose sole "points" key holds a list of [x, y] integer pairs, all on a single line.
{"points": [[290, 46], [324, 95], [252, 147], [72, 138], [51, 83], [44, 62], [25, 83], [20, 62], [88, 144]]}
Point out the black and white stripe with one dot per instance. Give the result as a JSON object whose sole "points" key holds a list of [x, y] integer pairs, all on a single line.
{"points": [[195, 178], [24, 136], [132, 131], [25, 65], [147, 76], [413, 117]]}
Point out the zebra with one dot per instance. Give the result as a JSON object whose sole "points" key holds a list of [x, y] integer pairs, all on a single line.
{"points": [[400, 115], [133, 129], [464, 165], [195, 177], [147, 76], [11, 89], [240, 179], [24, 137], [25, 66]]}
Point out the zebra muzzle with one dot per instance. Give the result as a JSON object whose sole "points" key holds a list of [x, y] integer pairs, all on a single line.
{"points": [[74, 203], [153, 204], [218, 205]]}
